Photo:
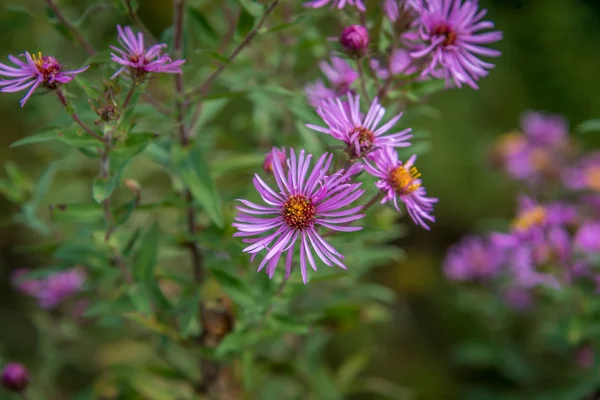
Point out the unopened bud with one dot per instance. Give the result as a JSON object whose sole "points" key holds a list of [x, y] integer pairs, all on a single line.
{"points": [[355, 39], [15, 377]]}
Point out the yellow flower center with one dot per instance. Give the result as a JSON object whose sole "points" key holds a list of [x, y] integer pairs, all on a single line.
{"points": [[541, 160], [530, 218], [403, 181], [592, 177], [365, 141], [299, 212]]}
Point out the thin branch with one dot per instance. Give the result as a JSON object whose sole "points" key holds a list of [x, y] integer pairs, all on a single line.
{"points": [[63, 101], [373, 200], [78, 36], [204, 87], [129, 93], [138, 22], [361, 77], [179, 7]]}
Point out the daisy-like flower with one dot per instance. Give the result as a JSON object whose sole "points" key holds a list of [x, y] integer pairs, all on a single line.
{"points": [[361, 135], [544, 129], [586, 175], [296, 210], [400, 63], [33, 72], [447, 37], [268, 163], [398, 180], [336, 3], [473, 258], [340, 75], [139, 60]]}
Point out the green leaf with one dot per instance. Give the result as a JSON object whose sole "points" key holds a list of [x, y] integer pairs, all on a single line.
{"points": [[252, 7], [237, 341], [140, 298], [592, 125], [194, 171], [210, 109], [349, 370], [37, 138], [199, 21], [103, 188], [78, 213], [245, 23], [188, 324], [87, 86], [286, 324], [101, 57], [146, 258], [234, 287]]}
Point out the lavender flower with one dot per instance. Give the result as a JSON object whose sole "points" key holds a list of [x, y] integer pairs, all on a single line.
{"points": [[473, 258], [447, 38], [586, 175], [400, 63], [268, 163], [35, 71], [296, 210], [15, 377], [360, 135], [336, 3], [355, 39], [341, 76], [401, 181], [52, 290], [139, 60], [393, 8], [544, 129], [587, 238]]}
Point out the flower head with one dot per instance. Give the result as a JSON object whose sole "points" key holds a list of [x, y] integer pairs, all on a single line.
{"points": [[340, 75], [587, 238], [268, 163], [296, 210], [586, 175], [15, 377], [336, 3], [398, 180], [544, 129], [400, 63], [52, 290], [361, 135], [447, 37], [139, 60], [473, 258], [393, 8], [33, 72], [355, 39]]}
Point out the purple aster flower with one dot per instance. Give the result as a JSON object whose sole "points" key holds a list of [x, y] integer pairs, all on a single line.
{"points": [[28, 286], [447, 37], [399, 180], [393, 8], [473, 258], [360, 135], [336, 3], [60, 286], [587, 238], [586, 175], [544, 129], [518, 298], [33, 72], [400, 63], [355, 39], [296, 210], [268, 163], [140, 60], [341, 76], [15, 377]]}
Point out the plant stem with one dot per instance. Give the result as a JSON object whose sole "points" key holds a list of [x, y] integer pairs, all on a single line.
{"points": [[177, 42], [78, 36], [361, 77], [130, 93], [373, 200], [63, 101], [138, 22], [384, 89]]}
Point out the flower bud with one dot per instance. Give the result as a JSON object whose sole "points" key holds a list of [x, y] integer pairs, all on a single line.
{"points": [[268, 163], [15, 377], [355, 39]]}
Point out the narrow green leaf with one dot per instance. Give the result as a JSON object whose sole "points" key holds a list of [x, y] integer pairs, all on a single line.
{"points": [[140, 298], [199, 21], [37, 138], [252, 7], [592, 125], [194, 171], [245, 23], [147, 255], [78, 213], [286, 324], [234, 287], [103, 188]]}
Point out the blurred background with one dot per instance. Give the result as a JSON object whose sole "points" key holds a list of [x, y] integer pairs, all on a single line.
{"points": [[550, 61]]}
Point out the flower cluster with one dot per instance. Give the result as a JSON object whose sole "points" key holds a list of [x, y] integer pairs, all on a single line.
{"points": [[341, 76], [31, 71], [550, 244], [54, 289]]}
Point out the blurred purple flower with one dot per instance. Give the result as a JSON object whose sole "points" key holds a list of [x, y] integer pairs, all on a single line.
{"points": [[544, 129], [399, 180], [341, 76], [447, 38], [393, 8], [473, 259], [585, 356], [35, 71], [275, 152], [587, 238], [518, 298], [296, 210], [355, 39], [15, 377], [53, 289], [400, 63], [336, 3], [586, 175], [318, 92], [360, 135], [140, 60], [28, 286]]}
